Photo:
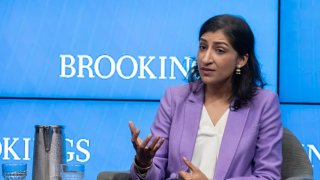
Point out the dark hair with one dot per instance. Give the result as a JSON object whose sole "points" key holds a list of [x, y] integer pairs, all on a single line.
{"points": [[241, 38]]}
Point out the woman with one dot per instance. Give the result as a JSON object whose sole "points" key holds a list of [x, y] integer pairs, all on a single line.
{"points": [[222, 125]]}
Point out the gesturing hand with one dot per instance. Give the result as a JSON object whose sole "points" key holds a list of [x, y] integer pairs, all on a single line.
{"points": [[144, 153], [195, 173]]}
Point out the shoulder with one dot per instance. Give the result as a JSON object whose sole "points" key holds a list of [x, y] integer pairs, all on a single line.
{"points": [[177, 96], [265, 94], [264, 97], [179, 90], [184, 91]]}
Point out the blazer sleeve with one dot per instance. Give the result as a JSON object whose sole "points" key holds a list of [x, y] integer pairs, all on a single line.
{"points": [[268, 156], [161, 127]]}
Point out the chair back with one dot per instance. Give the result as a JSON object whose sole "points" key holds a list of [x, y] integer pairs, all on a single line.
{"points": [[296, 164], [114, 175]]}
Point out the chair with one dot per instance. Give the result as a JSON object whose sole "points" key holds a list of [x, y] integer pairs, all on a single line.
{"points": [[114, 175], [295, 165]]}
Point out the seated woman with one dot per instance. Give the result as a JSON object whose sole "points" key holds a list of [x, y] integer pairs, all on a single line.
{"points": [[223, 124]]}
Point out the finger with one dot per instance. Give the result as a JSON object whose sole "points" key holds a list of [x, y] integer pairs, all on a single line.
{"points": [[158, 145], [135, 134], [132, 127], [134, 138], [139, 140], [146, 141], [192, 167], [154, 142], [184, 175]]}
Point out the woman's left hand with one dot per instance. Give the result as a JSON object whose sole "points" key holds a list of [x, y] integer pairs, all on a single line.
{"points": [[195, 173]]}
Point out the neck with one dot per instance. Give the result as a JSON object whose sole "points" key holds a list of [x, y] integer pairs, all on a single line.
{"points": [[218, 92]]}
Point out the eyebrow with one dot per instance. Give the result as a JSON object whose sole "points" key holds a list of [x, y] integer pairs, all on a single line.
{"points": [[216, 42]]}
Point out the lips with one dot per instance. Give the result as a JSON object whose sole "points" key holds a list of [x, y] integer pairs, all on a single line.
{"points": [[206, 71]]}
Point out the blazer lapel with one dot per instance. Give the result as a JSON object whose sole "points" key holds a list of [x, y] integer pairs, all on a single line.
{"points": [[192, 113], [232, 134]]}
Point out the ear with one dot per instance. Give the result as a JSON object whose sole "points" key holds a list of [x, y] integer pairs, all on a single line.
{"points": [[242, 60]]}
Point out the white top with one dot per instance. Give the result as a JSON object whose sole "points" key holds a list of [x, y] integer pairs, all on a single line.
{"points": [[206, 150]]}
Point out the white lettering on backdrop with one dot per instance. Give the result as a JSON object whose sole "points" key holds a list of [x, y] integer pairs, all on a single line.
{"points": [[15, 148], [127, 67]]}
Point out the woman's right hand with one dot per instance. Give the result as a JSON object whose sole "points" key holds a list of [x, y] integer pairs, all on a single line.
{"points": [[144, 152]]}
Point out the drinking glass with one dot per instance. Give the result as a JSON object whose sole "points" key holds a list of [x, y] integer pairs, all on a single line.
{"points": [[14, 171], [72, 172]]}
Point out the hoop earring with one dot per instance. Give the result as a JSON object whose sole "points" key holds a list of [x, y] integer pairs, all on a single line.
{"points": [[238, 71]]}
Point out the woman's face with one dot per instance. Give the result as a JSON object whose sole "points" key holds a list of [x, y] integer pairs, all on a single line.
{"points": [[217, 59]]}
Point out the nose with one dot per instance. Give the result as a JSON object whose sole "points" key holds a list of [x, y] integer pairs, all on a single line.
{"points": [[207, 57]]}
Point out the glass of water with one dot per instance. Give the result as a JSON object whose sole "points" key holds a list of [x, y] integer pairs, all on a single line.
{"points": [[14, 171], [72, 172]]}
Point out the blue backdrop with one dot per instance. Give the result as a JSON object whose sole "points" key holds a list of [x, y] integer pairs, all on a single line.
{"points": [[114, 49], [299, 76], [299, 55], [97, 131]]}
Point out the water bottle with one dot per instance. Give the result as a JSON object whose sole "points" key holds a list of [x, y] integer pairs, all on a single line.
{"points": [[14, 171], [72, 172]]}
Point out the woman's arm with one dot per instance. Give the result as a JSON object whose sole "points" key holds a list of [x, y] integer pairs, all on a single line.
{"points": [[161, 128], [268, 155]]}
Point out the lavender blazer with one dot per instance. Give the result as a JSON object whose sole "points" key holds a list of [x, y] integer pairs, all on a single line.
{"points": [[251, 144]]}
